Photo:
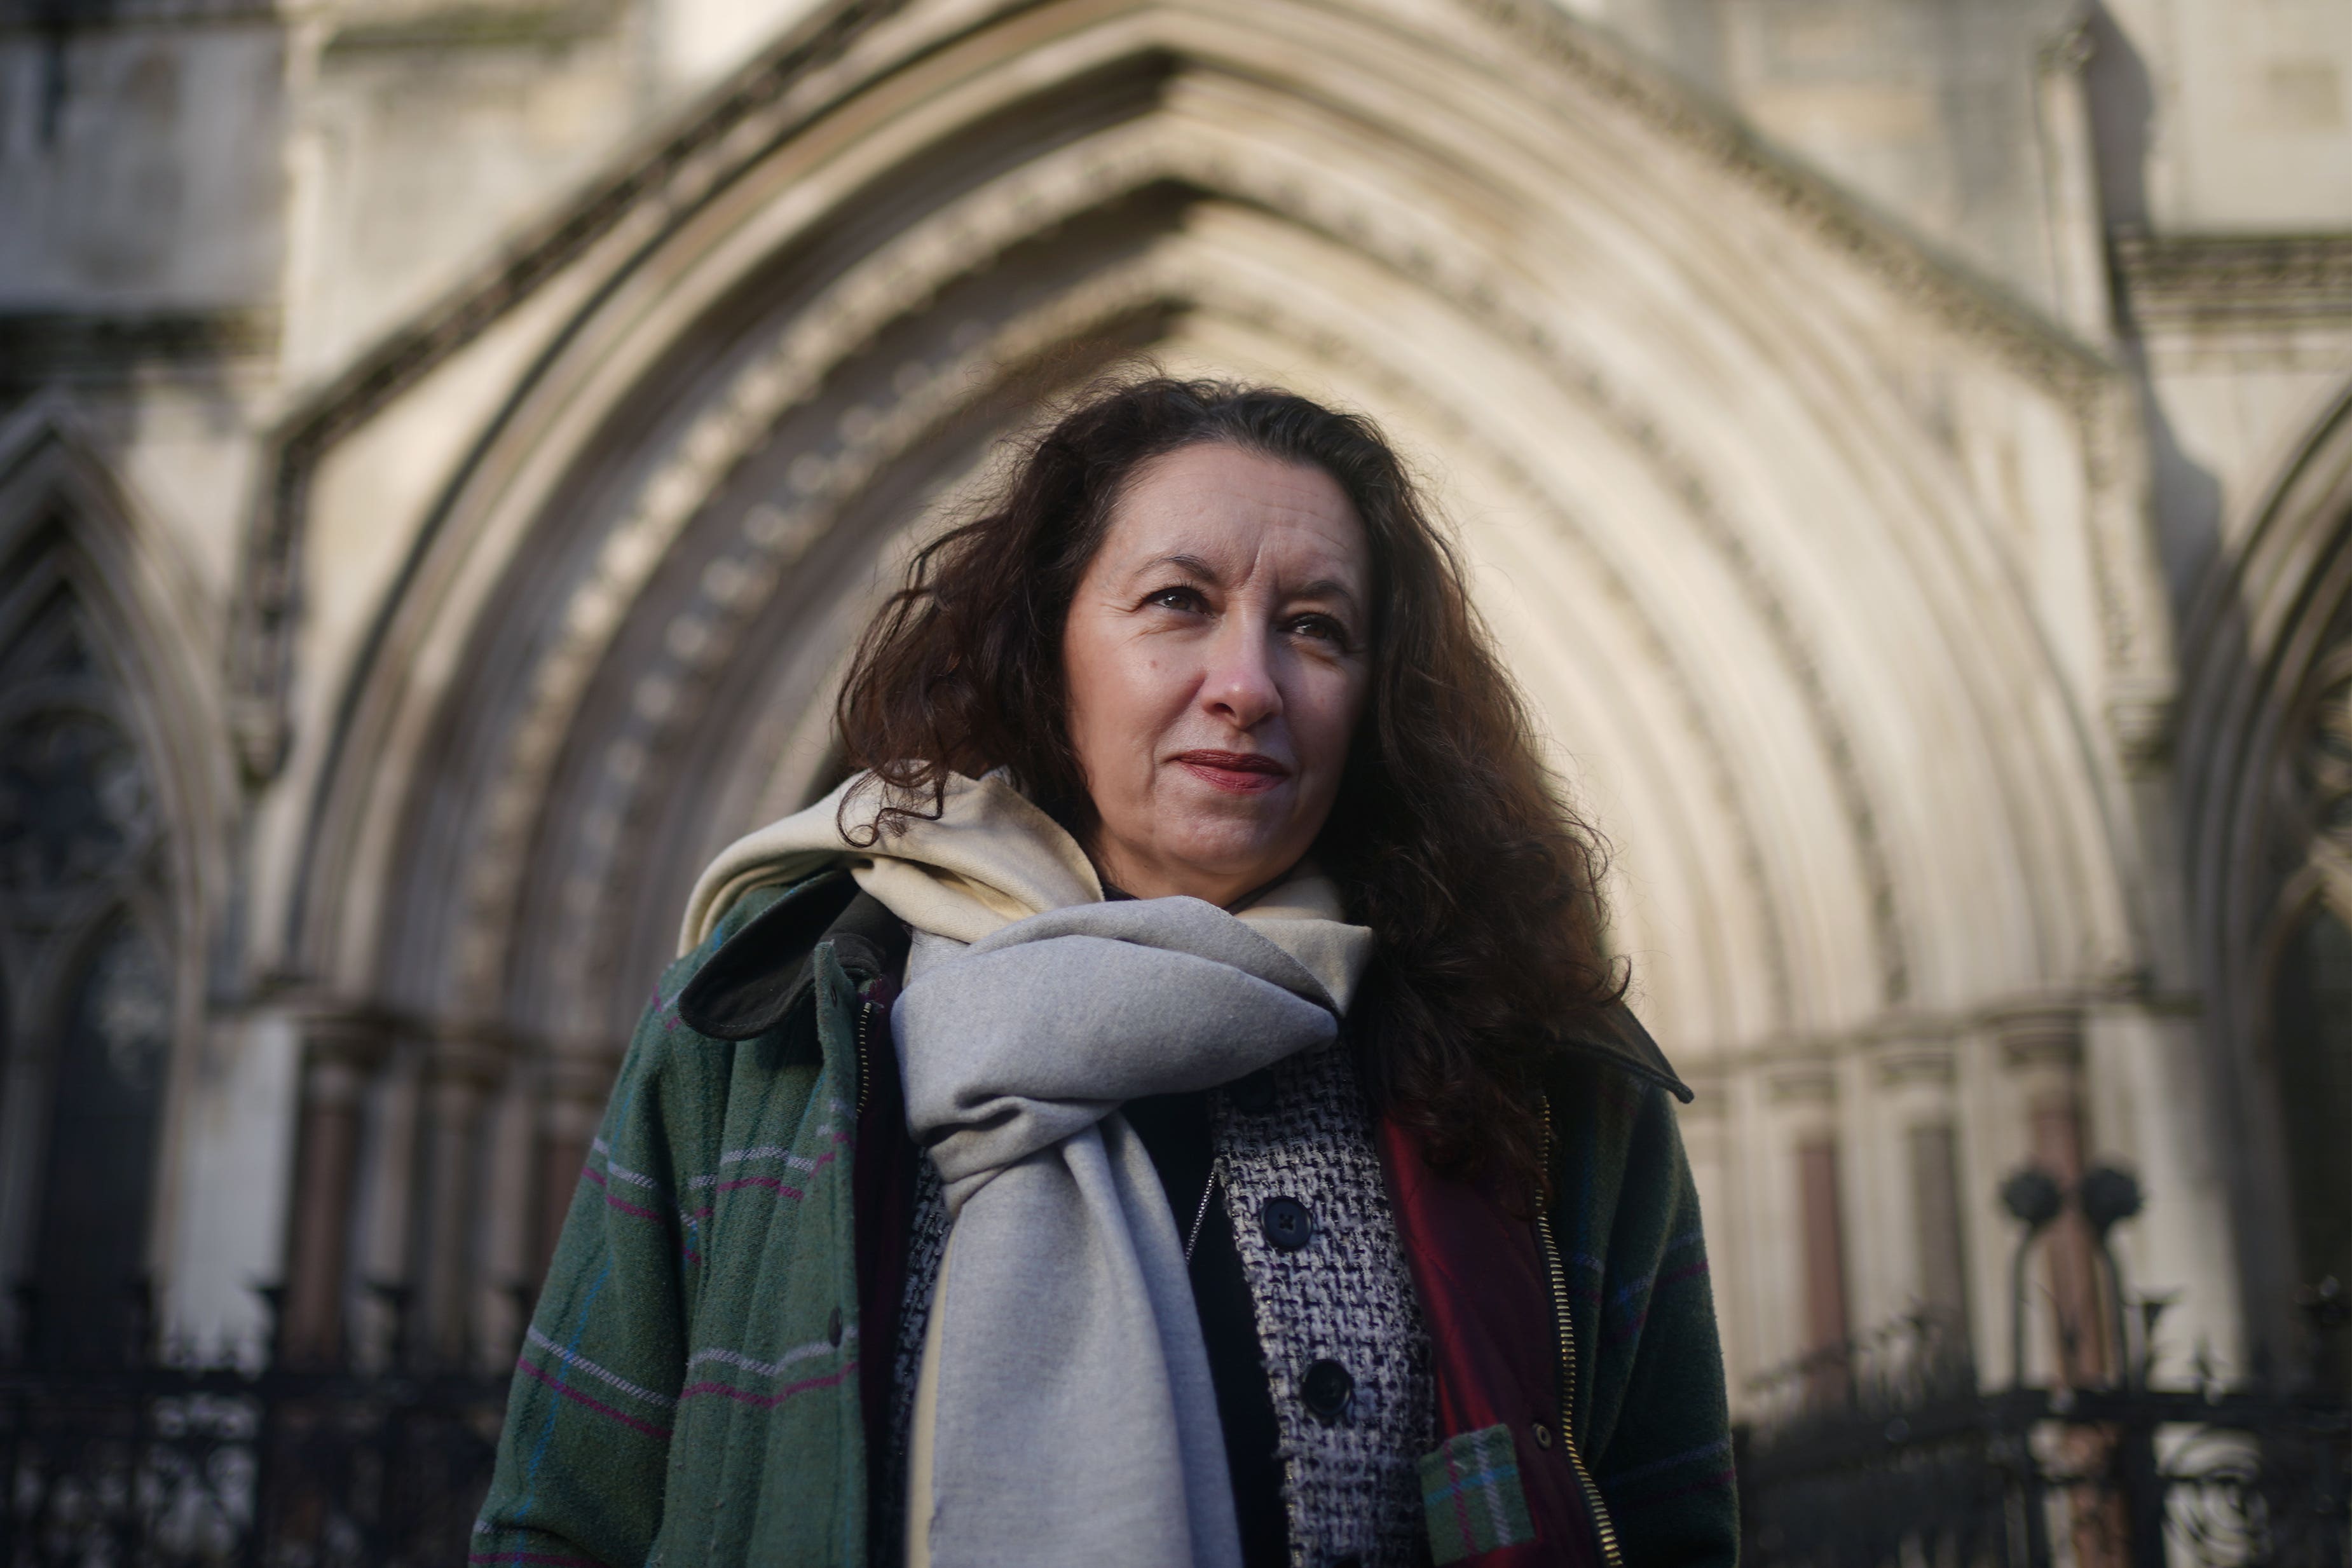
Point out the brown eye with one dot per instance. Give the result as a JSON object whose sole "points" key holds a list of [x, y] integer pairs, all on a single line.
{"points": [[1187, 599], [1323, 627]]}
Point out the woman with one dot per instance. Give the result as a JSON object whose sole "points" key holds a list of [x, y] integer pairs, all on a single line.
{"points": [[1172, 1106]]}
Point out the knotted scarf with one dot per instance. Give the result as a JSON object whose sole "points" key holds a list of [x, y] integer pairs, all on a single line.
{"points": [[1072, 1416]]}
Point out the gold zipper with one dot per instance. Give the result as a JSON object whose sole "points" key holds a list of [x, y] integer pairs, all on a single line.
{"points": [[1559, 1273], [865, 1010]]}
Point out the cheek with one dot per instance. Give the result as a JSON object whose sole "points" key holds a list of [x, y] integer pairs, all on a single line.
{"points": [[1123, 698], [1326, 719]]}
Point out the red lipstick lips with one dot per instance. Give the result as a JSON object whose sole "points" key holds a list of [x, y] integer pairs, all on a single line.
{"points": [[1236, 772]]}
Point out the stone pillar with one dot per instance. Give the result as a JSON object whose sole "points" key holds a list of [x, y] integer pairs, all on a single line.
{"points": [[1810, 1098], [2071, 184], [579, 1079], [343, 1050], [1933, 1150], [1916, 1083], [2042, 1050], [462, 1067], [1826, 1328]]}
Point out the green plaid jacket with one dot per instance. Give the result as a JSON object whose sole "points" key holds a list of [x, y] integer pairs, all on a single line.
{"points": [[687, 1392]]}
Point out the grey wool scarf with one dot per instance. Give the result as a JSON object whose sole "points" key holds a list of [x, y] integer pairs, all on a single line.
{"points": [[1074, 1418], [1070, 1418]]}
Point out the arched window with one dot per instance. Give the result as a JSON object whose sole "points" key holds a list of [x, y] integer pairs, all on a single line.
{"points": [[2311, 1052], [89, 1261], [87, 947]]}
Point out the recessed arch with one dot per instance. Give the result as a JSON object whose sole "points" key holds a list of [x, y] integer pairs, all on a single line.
{"points": [[2262, 795], [1718, 448], [111, 799], [2305, 1047]]}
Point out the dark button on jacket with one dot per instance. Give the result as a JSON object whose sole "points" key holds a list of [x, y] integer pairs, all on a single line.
{"points": [[1325, 1389], [1287, 1223]]}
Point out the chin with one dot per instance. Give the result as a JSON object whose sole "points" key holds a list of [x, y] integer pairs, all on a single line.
{"points": [[1230, 855]]}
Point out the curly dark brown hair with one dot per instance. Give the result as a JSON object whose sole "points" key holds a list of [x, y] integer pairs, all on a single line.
{"points": [[1448, 837]]}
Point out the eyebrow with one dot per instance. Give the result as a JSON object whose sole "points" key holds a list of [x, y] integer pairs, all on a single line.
{"points": [[1191, 563], [1327, 588], [1321, 588]]}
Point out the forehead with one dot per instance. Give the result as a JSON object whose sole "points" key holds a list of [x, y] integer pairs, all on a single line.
{"points": [[1230, 507]]}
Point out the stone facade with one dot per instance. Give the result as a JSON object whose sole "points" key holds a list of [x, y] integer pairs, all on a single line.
{"points": [[1906, 448]]}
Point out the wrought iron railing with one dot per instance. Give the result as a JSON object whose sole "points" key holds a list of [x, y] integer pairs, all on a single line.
{"points": [[137, 1454], [2027, 1477], [143, 1458], [1911, 1462]]}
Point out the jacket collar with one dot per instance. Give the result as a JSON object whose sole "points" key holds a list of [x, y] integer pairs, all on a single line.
{"points": [[1615, 1038], [758, 976]]}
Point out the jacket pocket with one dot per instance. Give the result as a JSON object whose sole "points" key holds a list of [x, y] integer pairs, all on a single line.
{"points": [[1471, 1494]]}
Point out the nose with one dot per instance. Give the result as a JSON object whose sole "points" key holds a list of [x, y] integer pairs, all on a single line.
{"points": [[1239, 687]]}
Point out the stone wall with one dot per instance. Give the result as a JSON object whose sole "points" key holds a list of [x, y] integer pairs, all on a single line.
{"points": [[475, 430]]}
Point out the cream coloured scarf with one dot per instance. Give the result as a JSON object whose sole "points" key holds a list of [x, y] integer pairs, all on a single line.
{"points": [[1066, 1412], [993, 858]]}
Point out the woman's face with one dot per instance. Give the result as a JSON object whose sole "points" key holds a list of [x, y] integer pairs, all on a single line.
{"points": [[1216, 664]]}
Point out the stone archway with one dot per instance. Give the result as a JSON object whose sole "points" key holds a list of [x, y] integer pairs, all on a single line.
{"points": [[112, 803], [1820, 565], [2267, 744]]}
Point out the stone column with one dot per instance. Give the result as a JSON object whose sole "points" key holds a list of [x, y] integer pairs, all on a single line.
{"points": [[1825, 1242], [579, 1079], [1917, 1082], [2071, 184], [464, 1065], [2042, 1048], [1811, 1099], [342, 1048]]}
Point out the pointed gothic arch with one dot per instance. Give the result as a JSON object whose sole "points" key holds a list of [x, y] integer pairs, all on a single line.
{"points": [[1817, 557], [2267, 798], [109, 839]]}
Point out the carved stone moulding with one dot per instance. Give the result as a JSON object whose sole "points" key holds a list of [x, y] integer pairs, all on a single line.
{"points": [[2172, 282], [2142, 717], [2034, 1033], [1917, 1064], [38, 347], [344, 1045], [1802, 1083]]}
